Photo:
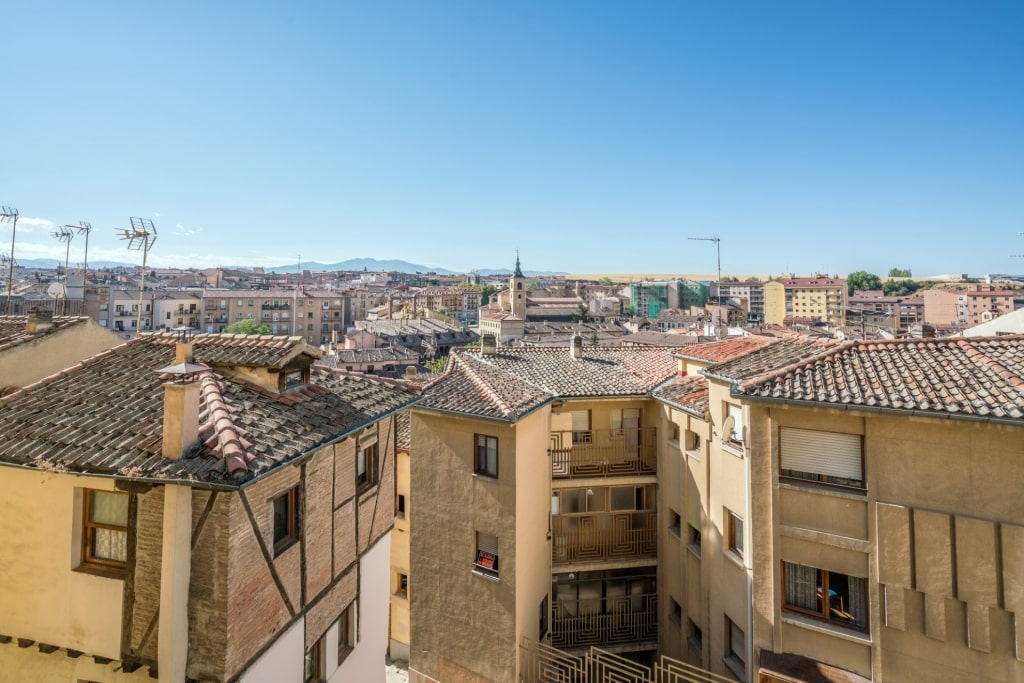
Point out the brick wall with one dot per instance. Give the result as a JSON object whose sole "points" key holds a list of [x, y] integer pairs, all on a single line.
{"points": [[208, 587], [148, 553]]}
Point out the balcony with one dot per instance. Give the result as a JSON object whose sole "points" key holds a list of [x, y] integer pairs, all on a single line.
{"points": [[603, 452], [271, 306], [605, 621], [604, 536]]}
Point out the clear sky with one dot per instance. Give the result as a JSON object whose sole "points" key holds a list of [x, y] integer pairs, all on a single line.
{"points": [[593, 136]]}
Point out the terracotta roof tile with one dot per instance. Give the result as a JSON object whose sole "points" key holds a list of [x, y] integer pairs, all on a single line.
{"points": [[688, 393], [12, 328], [105, 416], [976, 377], [722, 351], [514, 381]]}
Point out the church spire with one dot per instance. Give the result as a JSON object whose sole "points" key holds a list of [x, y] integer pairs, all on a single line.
{"points": [[519, 271]]}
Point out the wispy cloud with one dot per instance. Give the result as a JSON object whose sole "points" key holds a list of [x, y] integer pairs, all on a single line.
{"points": [[180, 229], [29, 224], [156, 214]]}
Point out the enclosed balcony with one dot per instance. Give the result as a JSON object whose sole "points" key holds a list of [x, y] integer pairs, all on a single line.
{"points": [[603, 609], [603, 452], [604, 523]]}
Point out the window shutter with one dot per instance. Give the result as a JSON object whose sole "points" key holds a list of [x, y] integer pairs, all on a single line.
{"points": [[580, 420], [828, 453], [487, 543]]}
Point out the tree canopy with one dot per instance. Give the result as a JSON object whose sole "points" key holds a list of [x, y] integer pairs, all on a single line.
{"points": [[899, 272], [248, 326], [862, 280]]}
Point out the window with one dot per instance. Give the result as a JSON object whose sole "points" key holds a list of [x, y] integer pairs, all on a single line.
{"points": [[486, 455], [315, 668], [675, 612], [734, 531], [486, 562], [402, 585], [694, 636], [735, 648], [581, 426], [693, 538], [105, 529], [824, 457], [543, 617], [734, 413], [401, 506], [674, 522], [347, 633], [675, 433], [693, 444], [806, 589], [286, 520], [366, 467]]}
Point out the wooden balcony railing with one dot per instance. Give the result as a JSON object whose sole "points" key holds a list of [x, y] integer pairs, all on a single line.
{"points": [[595, 537], [603, 452], [605, 621]]}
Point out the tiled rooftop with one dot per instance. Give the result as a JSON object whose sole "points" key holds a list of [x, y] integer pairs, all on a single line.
{"points": [[252, 350], [12, 328], [688, 393], [976, 377], [105, 414], [513, 381], [728, 349], [770, 357]]}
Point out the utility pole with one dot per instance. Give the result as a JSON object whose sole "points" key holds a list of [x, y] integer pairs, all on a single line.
{"points": [[10, 214]]}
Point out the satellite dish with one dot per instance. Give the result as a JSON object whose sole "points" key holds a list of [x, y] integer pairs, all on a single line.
{"points": [[727, 428], [57, 290]]}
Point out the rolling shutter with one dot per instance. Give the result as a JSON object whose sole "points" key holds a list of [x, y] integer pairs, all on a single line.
{"points": [[580, 420], [827, 453]]}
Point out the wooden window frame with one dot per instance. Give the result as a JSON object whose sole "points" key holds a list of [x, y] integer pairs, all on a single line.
{"points": [[290, 536], [317, 656], [480, 464], [88, 532], [734, 533], [347, 631], [825, 613], [369, 456]]}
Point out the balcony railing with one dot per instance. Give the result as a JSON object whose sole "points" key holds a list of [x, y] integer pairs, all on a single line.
{"points": [[603, 536], [603, 452], [605, 621], [268, 307]]}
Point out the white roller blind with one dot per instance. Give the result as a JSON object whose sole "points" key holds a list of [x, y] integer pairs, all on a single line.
{"points": [[827, 453], [580, 420], [487, 543]]}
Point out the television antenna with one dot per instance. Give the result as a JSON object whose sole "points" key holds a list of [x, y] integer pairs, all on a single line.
{"points": [[140, 236], [9, 214], [83, 228], [64, 235], [718, 248]]}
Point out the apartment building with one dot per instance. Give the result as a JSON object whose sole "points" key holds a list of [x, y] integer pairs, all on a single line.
{"points": [[398, 647], [535, 487], [751, 291], [888, 532], [177, 308], [450, 299], [706, 555], [214, 510], [648, 298], [821, 298], [962, 308]]}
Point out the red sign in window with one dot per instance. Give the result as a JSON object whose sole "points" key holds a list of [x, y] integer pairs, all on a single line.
{"points": [[486, 560]]}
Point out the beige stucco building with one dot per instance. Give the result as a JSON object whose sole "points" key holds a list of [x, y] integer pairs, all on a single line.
{"points": [[889, 535], [821, 298], [222, 521], [38, 345]]}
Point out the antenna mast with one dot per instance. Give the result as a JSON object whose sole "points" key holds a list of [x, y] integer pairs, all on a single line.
{"points": [[141, 237], [83, 228], [10, 214], [65, 235]]}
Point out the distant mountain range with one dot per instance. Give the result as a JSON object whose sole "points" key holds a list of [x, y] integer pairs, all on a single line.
{"points": [[368, 264]]}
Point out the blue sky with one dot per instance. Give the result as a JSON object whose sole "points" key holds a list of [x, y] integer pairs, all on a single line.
{"points": [[593, 136]]}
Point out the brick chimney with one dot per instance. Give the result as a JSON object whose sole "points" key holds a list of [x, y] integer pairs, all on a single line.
{"points": [[39, 320]]}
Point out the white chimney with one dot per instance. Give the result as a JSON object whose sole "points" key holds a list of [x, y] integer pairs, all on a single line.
{"points": [[576, 347]]}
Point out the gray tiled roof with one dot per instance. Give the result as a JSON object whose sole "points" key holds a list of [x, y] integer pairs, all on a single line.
{"points": [[12, 328], [512, 382], [105, 415], [770, 357], [974, 377]]}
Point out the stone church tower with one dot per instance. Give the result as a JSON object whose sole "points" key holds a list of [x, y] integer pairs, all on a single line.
{"points": [[517, 292]]}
